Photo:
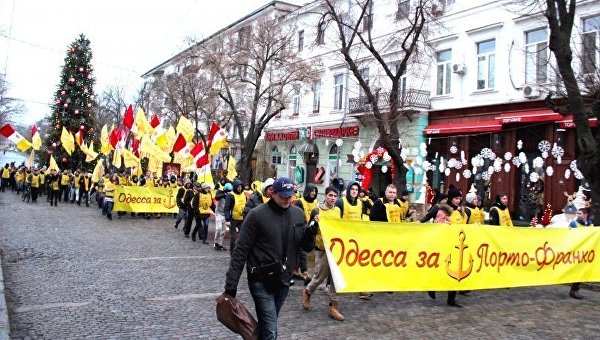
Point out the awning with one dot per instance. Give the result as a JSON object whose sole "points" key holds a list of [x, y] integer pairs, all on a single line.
{"points": [[466, 127], [568, 122], [534, 116]]}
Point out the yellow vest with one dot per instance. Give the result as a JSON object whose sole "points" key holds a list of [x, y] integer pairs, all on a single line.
{"points": [[5, 173], [55, 184], [35, 181], [332, 213], [457, 217], [393, 211], [42, 178], [404, 206], [504, 216], [205, 203], [352, 212], [477, 216], [308, 207], [238, 207], [20, 177], [64, 179], [109, 189], [76, 181]]}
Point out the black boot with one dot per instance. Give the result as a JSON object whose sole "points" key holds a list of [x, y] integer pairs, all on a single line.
{"points": [[452, 300], [431, 295]]}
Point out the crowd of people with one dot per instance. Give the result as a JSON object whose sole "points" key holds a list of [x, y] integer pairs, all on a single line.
{"points": [[271, 225]]}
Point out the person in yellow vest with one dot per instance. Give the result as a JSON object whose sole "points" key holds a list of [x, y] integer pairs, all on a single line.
{"points": [[182, 192], [322, 271], [54, 186], [75, 187], [204, 206], [260, 195], [43, 186], [389, 208], [20, 180], [475, 214], [458, 215], [234, 212], [307, 203], [5, 176], [499, 213], [367, 203], [64, 186], [85, 185], [581, 221], [109, 194], [35, 185]]}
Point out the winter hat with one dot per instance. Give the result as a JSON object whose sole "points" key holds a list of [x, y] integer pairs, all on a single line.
{"points": [[452, 193], [404, 193], [205, 186], [266, 184], [470, 197]]}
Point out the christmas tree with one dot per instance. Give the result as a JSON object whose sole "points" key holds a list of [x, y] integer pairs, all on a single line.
{"points": [[73, 107]]}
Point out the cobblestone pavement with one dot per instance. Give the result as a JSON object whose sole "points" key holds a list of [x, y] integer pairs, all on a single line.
{"points": [[72, 274]]}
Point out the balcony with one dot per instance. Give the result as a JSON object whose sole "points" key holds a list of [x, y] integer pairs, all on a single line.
{"points": [[409, 100]]}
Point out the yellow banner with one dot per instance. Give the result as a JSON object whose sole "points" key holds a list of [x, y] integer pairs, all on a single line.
{"points": [[376, 256], [145, 199]]}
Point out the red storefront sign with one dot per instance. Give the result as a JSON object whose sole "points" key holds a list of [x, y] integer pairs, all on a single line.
{"points": [[350, 131], [281, 136]]}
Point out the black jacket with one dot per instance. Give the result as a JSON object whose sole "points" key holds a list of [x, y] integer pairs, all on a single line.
{"points": [[494, 218], [378, 213], [253, 201], [261, 240]]}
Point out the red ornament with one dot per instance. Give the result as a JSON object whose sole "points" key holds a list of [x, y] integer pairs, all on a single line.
{"points": [[57, 126], [64, 159], [91, 130], [54, 144], [76, 112]]}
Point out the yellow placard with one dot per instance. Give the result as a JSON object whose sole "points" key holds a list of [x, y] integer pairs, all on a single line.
{"points": [[376, 256], [145, 199]]}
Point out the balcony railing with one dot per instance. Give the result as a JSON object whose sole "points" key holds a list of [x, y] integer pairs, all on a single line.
{"points": [[410, 99]]}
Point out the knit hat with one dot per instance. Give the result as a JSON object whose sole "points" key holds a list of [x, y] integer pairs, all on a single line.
{"points": [[452, 193], [404, 193], [470, 197], [205, 186], [266, 184]]}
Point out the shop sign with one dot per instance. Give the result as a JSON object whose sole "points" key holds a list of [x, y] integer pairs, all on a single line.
{"points": [[350, 131], [282, 136]]}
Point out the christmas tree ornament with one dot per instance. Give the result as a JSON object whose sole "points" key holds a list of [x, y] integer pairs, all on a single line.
{"points": [[54, 145], [384, 169], [76, 112]]}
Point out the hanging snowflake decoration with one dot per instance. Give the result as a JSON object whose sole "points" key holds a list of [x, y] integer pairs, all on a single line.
{"points": [[451, 163], [418, 171], [423, 153], [545, 154], [425, 164], [384, 169], [441, 167], [573, 165], [549, 171], [387, 157], [373, 158], [457, 176], [558, 152], [497, 165], [467, 173], [506, 167], [508, 156], [453, 149], [447, 172], [577, 174], [368, 165], [519, 144], [485, 176], [544, 146], [357, 144], [516, 161], [538, 162], [404, 153], [474, 171], [533, 177], [380, 151], [458, 165], [486, 153], [490, 170], [432, 167], [522, 157], [526, 168], [423, 146], [567, 174]]}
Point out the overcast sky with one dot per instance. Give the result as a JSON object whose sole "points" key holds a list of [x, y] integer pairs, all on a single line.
{"points": [[128, 38]]}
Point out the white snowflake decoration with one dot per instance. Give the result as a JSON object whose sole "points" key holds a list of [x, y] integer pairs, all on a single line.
{"points": [[506, 167], [486, 152], [522, 157], [368, 165], [447, 172], [423, 153], [519, 144], [457, 176], [534, 177], [373, 158], [573, 165], [558, 152], [549, 171], [425, 164], [474, 171], [432, 167], [490, 170], [441, 167], [387, 157], [577, 174], [544, 146], [508, 156], [526, 168], [516, 161], [404, 153], [545, 154], [357, 144], [466, 173], [567, 174], [384, 169], [423, 146], [453, 149], [485, 176], [538, 162], [458, 165], [451, 163]]}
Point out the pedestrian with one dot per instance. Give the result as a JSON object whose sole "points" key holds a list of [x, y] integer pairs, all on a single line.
{"points": [[85, 185], [580, 221], [35, 185], [220, 197], [5, 177], [475, 214], [179, 200], [269, 239], [499, 213], [109, 194], [54, 186], [234, 212], [322, 270], [203, 207], [389, 208], [437, 199]]}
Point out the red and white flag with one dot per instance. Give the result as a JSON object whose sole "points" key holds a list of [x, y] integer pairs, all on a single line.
{"points": [[200, 155], [128, 118], [15, 137], [154, 122], [181, 146], [217, 139], [36, 140]]}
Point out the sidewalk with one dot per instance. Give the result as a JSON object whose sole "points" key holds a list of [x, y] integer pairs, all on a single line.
{"points": [[4, 326]]}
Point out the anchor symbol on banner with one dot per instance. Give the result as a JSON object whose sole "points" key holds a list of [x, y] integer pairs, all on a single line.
{"points": [[460, 273]]}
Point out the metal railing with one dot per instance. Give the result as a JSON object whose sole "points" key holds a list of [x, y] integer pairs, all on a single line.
{"points": [[407, 100]]}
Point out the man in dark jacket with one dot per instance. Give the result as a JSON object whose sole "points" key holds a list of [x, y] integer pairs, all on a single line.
{"points": [[181, 194], [389, 208], [269, 240], [499, 214]]}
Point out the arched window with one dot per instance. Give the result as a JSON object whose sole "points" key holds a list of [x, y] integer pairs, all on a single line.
{"points": [[333, 150], [275, 155]]}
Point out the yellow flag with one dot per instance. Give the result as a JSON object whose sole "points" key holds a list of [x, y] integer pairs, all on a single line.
{"points": [[143, 126], [89, 152], [53, 164], [36, 141], [98, 171], [30, 160], [231, 172], [129, 159], [67, 140], [205, 175], [104, 142], [116, 161], [185, 127], [152, 151], [171, 137]]}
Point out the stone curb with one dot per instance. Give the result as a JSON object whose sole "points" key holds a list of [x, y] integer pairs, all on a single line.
{"points": [[4, 325]]}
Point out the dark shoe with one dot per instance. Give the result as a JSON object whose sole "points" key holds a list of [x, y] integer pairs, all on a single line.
{"points": [[204, 242], [575, 295], [186, 236], [193, 238], [365, 296], [431, 295], [176, 225], [454, 304], [109, 217], [464, 292]]}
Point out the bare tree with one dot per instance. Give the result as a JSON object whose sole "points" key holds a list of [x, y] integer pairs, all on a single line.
{"points": [[111, 106], [254, 73], [353, 22], [9, 107], [561, 16]]}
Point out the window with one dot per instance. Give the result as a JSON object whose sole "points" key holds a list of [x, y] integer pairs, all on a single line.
{"points": [[275, 156], [300, 41], [296, 100], [338, 98], [368, 17], [444, 72], [364, 73], [320, 33], [292, 161], [536, 56], [316, 96], [486, 64], [243, 36], [591, 31], [403, 9]]}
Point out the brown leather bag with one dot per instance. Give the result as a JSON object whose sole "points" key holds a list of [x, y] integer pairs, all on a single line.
{"points": [[234, 315]]}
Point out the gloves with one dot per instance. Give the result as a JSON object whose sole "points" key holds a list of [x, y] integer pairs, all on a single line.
{"points": [[230, 292]]}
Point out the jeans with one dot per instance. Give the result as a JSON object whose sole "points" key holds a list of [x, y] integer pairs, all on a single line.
{"points": [[201, 228], [181, 216], [267, 307], [109, 207], [219, 229]]}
